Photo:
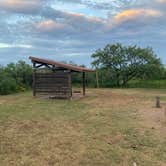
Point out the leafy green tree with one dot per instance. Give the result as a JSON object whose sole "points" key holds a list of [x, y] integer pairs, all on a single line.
{"points": [[24, 73], [126, 63], [15, 77], [7, 83], [21, 72]]}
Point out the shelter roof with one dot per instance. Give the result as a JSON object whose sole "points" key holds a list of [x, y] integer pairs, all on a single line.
{"points": [[60, 64]]}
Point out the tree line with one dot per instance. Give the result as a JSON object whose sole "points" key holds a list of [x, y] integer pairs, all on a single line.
{"points": [[116, 66]]}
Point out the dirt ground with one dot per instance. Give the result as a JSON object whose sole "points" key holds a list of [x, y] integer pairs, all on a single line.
{"points": [[109, 127]]}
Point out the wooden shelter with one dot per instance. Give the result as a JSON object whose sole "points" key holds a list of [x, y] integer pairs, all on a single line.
{"points": [[56, 81]]}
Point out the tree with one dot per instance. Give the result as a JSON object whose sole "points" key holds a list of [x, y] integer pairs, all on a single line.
{"points": [[7, 83], [15, 77], [21, 72], [24, 73], [126, 63]]}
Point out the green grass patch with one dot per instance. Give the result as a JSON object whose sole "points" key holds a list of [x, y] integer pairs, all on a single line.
{"points": [[147, 84]]}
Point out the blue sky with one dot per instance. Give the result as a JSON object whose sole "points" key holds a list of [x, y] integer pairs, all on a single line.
{"points": [[71, 30]]}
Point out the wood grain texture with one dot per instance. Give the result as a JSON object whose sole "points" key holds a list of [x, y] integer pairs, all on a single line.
{"points": [[56, 84]]}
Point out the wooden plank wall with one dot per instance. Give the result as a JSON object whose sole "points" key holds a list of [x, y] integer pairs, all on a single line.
{"points": [[55, 84]]}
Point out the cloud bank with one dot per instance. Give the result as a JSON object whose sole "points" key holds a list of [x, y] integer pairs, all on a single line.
{"points": [[73, 30]]}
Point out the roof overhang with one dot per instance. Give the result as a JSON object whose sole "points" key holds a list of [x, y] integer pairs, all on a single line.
{"points": [[59, 64]]}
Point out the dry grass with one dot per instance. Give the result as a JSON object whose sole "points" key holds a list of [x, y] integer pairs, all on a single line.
{"points": [[107, 128]]}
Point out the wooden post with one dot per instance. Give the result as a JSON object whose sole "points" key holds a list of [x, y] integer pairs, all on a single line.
{"points": [[34, 79], [158, 102], [70, 84], [165, 114], [97, 79], [83, 83]]}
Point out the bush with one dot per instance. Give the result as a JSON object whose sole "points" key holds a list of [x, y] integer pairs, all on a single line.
{"points": [[15, 78], [7, 84]]}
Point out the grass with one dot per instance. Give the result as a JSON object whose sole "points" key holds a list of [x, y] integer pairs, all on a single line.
{"points": [[107, 128]]}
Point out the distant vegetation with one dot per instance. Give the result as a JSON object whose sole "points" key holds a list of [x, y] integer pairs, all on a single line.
{"points": [[116, 66], [15, 78]]}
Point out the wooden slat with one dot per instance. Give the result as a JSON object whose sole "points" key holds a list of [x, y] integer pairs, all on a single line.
{"points": [[51, 77], [58, 75], [54, 84], [50, 74], [64, 82], [51, 87], [52, 91], [54, 78]]}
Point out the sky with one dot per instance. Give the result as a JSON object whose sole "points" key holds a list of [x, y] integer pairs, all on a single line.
{"points": [[72, 30]]}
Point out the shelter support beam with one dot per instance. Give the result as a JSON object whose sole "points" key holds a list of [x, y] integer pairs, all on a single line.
{"points": [[34, 79], [70, 84], [83, 83]]}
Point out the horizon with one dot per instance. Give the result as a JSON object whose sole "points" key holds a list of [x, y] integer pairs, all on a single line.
{"points": [[72, 31]]}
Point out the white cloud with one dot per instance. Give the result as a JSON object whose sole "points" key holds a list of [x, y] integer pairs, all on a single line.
{"points": [[6, 45]]}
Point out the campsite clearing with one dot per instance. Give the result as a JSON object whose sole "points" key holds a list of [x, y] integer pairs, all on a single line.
{"points": [[109, 127]]}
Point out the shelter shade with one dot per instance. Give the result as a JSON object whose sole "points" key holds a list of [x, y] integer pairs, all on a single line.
{"points": [[56, 81]]}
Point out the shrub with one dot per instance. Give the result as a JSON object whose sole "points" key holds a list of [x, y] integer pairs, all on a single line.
{"points": [[15, 78], [7, 84]]}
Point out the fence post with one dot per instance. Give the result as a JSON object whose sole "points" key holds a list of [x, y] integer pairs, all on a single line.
{"points": [[165, 114], [158, 102]]}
